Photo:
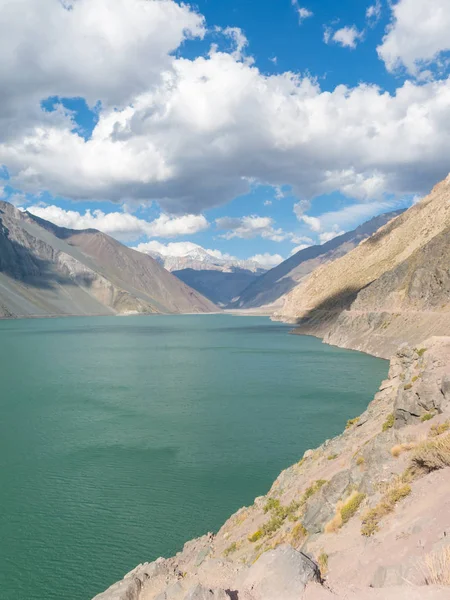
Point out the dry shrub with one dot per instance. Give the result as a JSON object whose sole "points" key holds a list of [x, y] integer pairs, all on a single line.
{"points": [[336, 522], [437, 567], [439, 429], [298, 534], [400, 448], [395, 491], [431, 455], [345, 511]]}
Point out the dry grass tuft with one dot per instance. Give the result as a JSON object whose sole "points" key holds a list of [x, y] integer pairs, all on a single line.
{"points": [[297, 535], [439, 429], [431, 455], [322, 561], [351, 422], [345, 511], [400, 448], [395, 491], [437, 567]]}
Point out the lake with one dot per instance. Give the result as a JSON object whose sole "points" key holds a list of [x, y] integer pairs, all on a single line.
{"points": [[122, 438]]}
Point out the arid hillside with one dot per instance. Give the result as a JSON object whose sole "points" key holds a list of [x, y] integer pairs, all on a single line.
{"points": [[394, 287]]}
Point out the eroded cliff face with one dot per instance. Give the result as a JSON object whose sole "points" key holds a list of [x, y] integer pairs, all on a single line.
{"points": [[394, 287], [366, 515]]}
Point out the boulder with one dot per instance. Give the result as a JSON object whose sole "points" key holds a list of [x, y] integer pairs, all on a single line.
{"points": [[282, 573]]}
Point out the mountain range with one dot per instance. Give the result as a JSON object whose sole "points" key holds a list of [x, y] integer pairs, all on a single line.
{"points": [[47, 270], [219, 279]]}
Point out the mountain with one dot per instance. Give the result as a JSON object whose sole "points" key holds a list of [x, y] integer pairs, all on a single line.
{"points": [[219, 279], [394, 287], [199, 259], [47, 270], [269, 289], [365, 516]]}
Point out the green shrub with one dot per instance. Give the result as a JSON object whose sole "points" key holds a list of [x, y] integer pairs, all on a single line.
{"points": [[271, 504], [313, 489], [389, 423], [256, 536], [421, 351], [426, 417], [298, 534], [332, 456], [231, 548], [439, 429], [395, 492], [360, 461], [351, 422], [351, 506]]}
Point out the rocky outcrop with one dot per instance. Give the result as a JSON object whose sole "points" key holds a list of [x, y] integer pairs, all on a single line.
{"points": [[269, 290], [359, 517], [47, 270], [394, 287]]}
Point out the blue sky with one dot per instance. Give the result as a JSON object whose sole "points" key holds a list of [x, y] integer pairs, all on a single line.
{"points": [[249, 130]]}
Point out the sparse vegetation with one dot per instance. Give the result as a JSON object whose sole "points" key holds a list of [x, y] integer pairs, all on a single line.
{"points": [[313, 489], [345, 511], [351, 422], [298, 534], [389, 423], [231, 548], [272, 504], [408, 386], [420, 351], [437, 567], [322, 561], [351, 506], [439, 429], [332, 456], [431, 455], [415, 378], [360, 461], [426, 417], [395, 492], [256, 536], [401, 448]]}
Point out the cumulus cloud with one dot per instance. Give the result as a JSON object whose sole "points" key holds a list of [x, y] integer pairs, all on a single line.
{"points": [[298, 248], [267, 260], [417, 36], [195, 133], [122, 225], [250, 227], [347, 37]]}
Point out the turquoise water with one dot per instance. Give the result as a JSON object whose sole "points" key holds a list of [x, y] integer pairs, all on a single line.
{"points": [[121, 438]]}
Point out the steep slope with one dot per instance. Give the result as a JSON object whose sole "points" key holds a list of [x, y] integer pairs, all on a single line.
{"points": [[221, 287], [46, 270], [368, 511], [270, 288], [393, 287]]}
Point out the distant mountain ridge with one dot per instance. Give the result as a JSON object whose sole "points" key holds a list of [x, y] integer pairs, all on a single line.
{"points": [[47, 270], [219, 279], [270, 288]]}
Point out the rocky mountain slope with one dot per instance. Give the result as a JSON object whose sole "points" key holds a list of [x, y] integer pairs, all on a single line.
{"points": [[48, 271], [364, 516], [221, 280], [270, 289], [394, 287]]}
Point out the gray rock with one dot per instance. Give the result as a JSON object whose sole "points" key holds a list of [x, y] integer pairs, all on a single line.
{"points": [[199, 592], [174, 591], [280, 574]]}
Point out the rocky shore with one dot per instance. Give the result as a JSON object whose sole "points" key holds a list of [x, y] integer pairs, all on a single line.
{"points": [[365, 515]]}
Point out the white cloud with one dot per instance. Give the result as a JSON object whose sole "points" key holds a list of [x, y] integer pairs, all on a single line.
{"points": [[417, 36], [347, 37], [268, 203], [267, 260], [302, 12], [250, 227], [193, 134], [298, 248], [327, 236], [121, 225], [313, 223], [373, 13]]}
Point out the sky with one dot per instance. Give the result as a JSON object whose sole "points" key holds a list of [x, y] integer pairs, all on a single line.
{"points": [[250, 129]]}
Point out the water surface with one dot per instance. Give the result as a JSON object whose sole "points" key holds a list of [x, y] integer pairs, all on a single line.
{"points": [[122, 438]]}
